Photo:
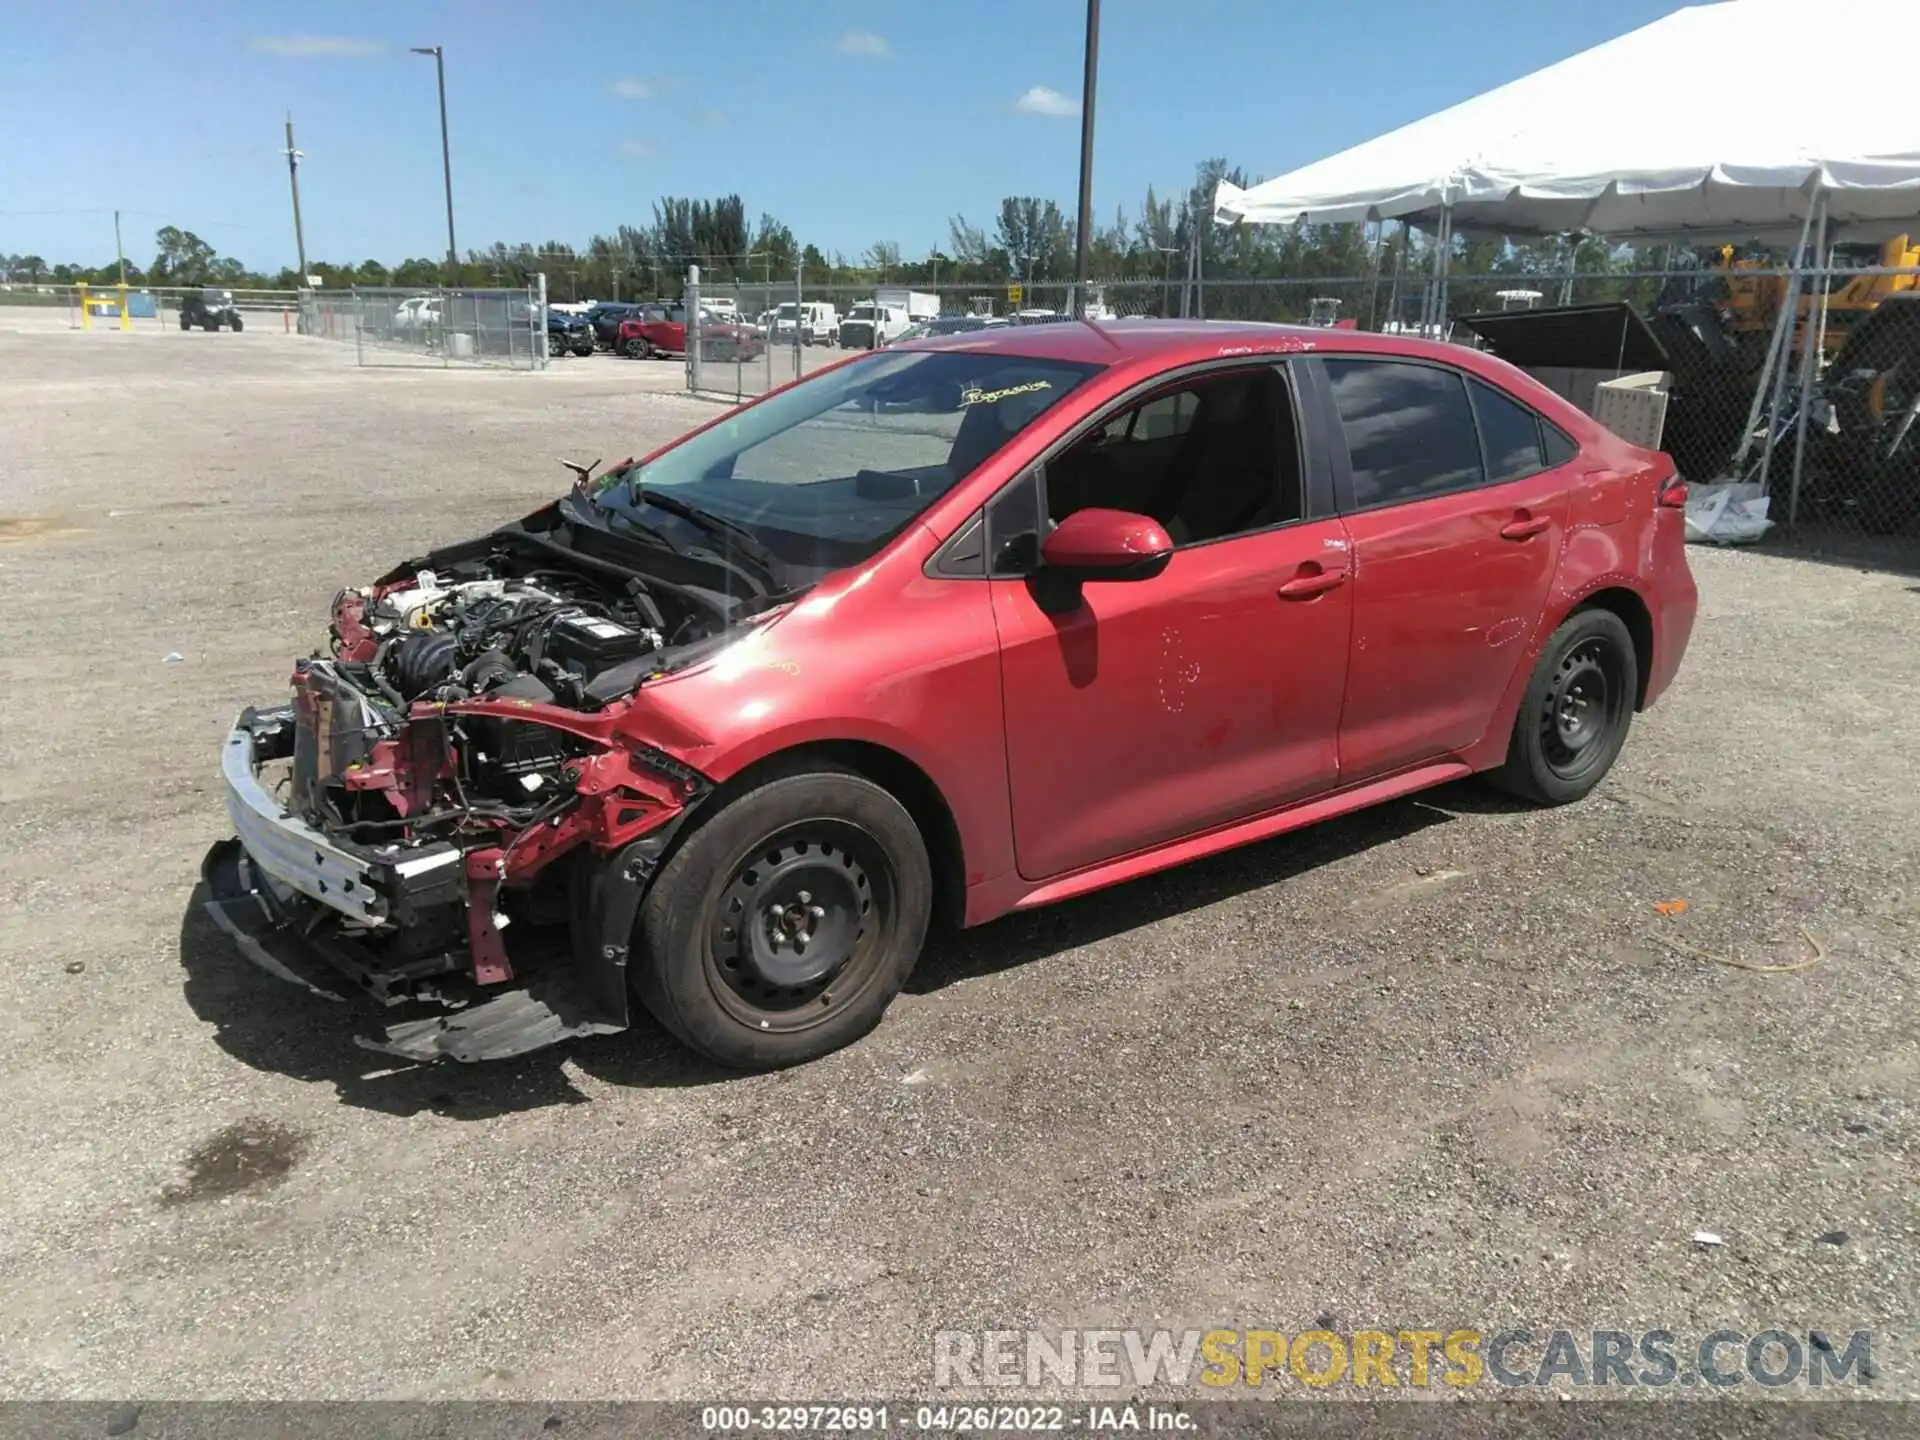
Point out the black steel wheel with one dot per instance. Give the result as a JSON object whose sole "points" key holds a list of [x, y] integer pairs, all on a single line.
{"points": [[803, 915], [782, 927], [1576, 711]]}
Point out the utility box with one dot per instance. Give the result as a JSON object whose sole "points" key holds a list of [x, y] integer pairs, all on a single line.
{"points": [[1634, 407]]}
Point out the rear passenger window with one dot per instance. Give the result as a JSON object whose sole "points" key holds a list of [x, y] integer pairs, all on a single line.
{"points": [[1509, 433], [1560, 446], [1409, 429]]}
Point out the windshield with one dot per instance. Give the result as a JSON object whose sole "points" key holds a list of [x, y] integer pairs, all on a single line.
{"points": [[826, 473], [861, 312]]}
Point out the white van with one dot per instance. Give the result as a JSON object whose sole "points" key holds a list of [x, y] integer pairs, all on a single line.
{"points": [[816, 321]]}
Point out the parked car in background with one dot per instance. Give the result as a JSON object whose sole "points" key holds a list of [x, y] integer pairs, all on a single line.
{"points": [[755, 712], [605, 319], [870, 325], [568, 333], [661, 329], [950, 325], [811, 322], [210, 309], [416, 315]]}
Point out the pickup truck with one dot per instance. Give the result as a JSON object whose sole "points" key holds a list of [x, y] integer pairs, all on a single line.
{"points": [[661, 329]]}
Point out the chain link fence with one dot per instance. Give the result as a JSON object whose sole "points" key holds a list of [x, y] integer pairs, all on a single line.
{"points": [[1829, 431], [441, 327], [145, 307]]}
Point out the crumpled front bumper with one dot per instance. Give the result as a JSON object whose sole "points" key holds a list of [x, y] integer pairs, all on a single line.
{"points": [[359, 883], [314, 911]]}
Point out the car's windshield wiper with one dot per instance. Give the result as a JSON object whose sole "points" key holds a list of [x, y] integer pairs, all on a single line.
{"points": [[717, 526], [596, 516]]}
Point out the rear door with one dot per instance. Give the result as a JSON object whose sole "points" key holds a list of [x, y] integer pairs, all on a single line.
{"points": [[1457, 521]]}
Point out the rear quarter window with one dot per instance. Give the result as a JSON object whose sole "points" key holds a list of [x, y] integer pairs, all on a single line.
{"points": [[1509, 433]]}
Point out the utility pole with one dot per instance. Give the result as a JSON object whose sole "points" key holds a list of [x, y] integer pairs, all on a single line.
{"points": [[446, 151], [1082, 240], [119, 251], [293, 174]]}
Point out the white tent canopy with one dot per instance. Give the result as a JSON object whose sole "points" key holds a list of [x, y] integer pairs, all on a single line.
{"points": [[1718, 122]]}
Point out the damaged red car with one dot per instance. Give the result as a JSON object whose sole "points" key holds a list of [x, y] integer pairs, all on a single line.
{"points": [[938, 633]]}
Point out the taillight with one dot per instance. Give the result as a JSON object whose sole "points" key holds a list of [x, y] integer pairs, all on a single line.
{"points": [[1674, 493]]}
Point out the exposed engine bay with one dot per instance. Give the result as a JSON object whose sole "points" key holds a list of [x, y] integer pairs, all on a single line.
{"points": [[456, 766]]}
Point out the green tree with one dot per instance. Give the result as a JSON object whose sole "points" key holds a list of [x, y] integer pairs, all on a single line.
{"points": [[184, 258]]}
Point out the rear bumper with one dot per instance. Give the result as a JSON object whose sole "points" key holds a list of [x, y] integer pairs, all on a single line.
{"points": [[1676, 602]]}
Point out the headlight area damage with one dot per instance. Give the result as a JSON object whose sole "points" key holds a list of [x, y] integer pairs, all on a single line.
{"points": [[464, 765]]}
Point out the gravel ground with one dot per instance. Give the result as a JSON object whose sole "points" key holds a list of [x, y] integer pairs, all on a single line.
{"points": [[1428, 1066]]}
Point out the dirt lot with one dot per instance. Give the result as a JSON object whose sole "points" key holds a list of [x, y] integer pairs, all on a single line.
{"points": [[1431, 1066]]}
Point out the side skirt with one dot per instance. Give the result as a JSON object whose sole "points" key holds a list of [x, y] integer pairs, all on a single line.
{"points": [[1241, 832]]}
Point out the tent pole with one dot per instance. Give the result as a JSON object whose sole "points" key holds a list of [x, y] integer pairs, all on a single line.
{"points": [[1446, 266], [1373, 279], [1573, 264], [1789, 312], [1399, 274], [1812, 334], [1767, 368]]}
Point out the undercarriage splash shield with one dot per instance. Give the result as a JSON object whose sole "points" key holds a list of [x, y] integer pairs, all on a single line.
{"points": [[554, 1007]]}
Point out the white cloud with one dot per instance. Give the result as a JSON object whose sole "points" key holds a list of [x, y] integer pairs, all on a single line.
{"points": [[714, 117], [300, 47], [864, 43], [639, 149], [631, 87], [1045, 100]]}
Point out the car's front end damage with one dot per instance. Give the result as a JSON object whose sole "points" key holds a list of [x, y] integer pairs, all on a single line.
{"points": [[471, 762]]}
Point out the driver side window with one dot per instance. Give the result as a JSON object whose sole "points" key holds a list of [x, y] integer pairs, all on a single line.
{"points": [[1215, 457]]}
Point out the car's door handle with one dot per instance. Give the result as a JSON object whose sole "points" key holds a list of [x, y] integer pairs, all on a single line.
{"points": [[1312, 581], [1524, 526]]}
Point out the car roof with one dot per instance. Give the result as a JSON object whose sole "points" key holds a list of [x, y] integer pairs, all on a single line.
{"points": [[1152, 344]]}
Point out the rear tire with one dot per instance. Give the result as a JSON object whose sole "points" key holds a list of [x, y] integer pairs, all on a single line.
{"points": [[185, 323], [635, 349], [784, 925], [237, 326], [1575, 713]]}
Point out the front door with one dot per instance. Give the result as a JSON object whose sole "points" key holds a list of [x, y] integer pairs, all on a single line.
{"points": [[1161, 708]]}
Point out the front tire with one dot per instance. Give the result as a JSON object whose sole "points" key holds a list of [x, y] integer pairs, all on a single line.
{"points": [[785, 924], [237, 325], [1576, 711]]}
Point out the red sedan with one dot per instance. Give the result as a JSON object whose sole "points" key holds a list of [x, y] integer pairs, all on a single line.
{"points": [[932, 635]]}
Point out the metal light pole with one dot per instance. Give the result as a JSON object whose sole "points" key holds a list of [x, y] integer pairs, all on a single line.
{"points": [[446, 152], [1082, 240], [294, 157], [119, 250]]}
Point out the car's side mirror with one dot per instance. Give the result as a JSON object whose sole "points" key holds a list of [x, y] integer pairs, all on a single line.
{"points": [[1097, 545], [1108, 545]]}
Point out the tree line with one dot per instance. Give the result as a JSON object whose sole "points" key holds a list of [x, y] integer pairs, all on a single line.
{"points": [[1030, 241]]}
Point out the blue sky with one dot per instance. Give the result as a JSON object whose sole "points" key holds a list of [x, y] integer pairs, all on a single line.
{"points": [[851, 120]]}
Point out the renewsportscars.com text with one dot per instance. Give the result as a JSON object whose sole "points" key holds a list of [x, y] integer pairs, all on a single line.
{"points": [[1412, 1359]]}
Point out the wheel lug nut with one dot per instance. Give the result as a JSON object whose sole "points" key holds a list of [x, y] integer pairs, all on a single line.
{"points": [[805, 898]]}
